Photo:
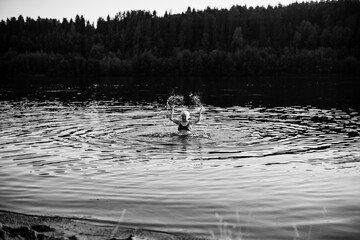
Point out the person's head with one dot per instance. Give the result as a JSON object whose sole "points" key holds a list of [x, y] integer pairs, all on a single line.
{"points": [[185, 115]]}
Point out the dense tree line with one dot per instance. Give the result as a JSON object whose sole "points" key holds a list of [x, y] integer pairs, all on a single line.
{"points": [[312, 37]]}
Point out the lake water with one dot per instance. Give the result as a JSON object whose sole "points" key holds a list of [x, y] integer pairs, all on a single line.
{"points": [[271, 159]]}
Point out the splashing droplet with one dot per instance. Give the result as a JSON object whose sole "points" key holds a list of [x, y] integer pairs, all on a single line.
{"points": [[195, 99], [175, 100]]}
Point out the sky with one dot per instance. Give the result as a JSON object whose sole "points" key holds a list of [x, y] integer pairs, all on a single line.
{"points": [[93, 9]]}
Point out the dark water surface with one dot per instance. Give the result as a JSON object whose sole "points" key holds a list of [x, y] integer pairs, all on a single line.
{"points": [[272, 158]]}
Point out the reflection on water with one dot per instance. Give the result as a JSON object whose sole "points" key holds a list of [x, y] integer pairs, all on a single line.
{"points": [[273, 173]]}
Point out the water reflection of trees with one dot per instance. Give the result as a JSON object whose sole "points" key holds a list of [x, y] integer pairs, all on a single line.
{"points": [[314, 37]]}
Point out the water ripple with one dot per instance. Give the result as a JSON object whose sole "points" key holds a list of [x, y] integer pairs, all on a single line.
{"points": [[88, 159]]}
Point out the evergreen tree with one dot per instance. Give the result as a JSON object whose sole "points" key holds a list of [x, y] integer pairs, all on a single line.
{"points": [[314, 37]]}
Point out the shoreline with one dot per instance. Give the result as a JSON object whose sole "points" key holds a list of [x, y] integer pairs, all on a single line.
{"points": [[15, 225]]}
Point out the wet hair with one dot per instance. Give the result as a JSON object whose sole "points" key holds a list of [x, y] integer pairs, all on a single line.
{"points": [[186, 113]]}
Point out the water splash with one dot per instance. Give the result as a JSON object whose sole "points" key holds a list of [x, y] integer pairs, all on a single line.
{"points": [[180, 100], [175, 100], [195, 99], [172, 100]]}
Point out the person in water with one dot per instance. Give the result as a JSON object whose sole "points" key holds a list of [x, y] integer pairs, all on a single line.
{"points": [[184, 124]]}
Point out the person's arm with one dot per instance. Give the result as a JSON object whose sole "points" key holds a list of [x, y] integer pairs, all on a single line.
{"points": [[176, 121], [199, 117]]}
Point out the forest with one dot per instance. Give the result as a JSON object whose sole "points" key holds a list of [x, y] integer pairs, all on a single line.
{"points": [[301, 38]]}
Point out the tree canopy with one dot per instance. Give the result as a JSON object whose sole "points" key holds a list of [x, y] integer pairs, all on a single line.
{"points": [[311, 37]]}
